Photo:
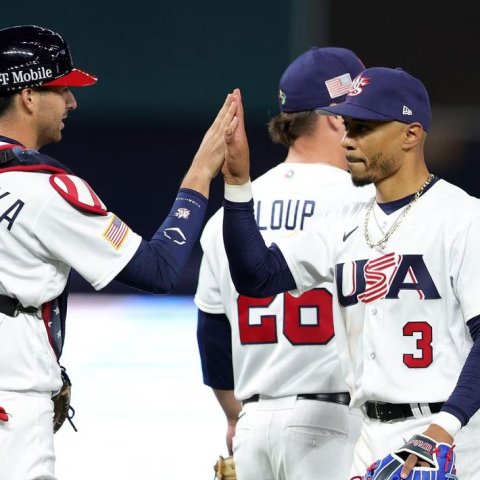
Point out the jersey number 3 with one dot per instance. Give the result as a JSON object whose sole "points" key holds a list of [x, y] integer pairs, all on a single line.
{"points": [[307, 320]]}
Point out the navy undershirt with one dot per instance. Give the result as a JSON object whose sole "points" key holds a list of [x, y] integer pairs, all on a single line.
{"points": [[157, 265], [261, 271]]}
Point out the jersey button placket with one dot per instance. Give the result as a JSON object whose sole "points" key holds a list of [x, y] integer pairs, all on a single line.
{"points": [[369, 367], [373, 314]]}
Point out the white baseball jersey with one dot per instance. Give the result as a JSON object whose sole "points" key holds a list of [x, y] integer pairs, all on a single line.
{"points": [[281, 345], [400, 313], [42, 236]]}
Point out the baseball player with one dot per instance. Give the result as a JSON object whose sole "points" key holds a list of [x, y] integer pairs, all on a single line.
{"points": [[295, 422], [52, 221], [404, 268]]}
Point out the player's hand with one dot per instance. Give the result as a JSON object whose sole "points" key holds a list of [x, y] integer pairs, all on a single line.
{"points": [[435, 432], [236, 169], [210, 156]]}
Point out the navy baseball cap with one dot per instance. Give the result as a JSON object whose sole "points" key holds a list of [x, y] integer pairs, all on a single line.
{"points": [[318, 77], [385, 94]]}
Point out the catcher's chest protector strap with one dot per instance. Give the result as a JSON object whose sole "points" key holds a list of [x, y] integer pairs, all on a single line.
{"points": [[6, 155]]}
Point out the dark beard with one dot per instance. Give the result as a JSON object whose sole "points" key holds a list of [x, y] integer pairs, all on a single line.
{"points": [[361, 182], [386, 167]]}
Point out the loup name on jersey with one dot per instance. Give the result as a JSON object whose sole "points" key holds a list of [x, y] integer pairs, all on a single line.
{"points": [[287, 214]]}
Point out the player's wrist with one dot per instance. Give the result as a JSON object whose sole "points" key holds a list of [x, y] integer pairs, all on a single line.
{"points": [[239, 193], [198, 179], [448, 422], [236, 180]]}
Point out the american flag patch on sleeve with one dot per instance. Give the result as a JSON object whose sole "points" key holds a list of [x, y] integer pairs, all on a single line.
{"points": [[116, 232], [339, 85]]}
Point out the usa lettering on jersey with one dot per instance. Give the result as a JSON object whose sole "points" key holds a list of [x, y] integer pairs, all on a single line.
{"points": [[385, 277], [9, 208]]}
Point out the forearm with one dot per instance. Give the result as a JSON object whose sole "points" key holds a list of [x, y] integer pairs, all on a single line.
{"points": [[157, 265], [197, 179], [465, 399], [230, 405], [256, 270]]}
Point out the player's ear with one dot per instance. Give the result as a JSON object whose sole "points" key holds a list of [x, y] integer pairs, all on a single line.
{"points": [[413, 134], [335, 122], [27, 98]]}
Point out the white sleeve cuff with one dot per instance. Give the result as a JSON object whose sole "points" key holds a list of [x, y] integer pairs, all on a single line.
{"points": [[239, 193], [448, 422]]}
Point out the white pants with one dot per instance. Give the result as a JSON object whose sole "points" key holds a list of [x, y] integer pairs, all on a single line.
{"points": [[26, 439], [378, 439], [290, 439]]}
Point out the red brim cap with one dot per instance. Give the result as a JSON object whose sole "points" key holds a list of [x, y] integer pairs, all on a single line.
{"points": [[76, 78]]}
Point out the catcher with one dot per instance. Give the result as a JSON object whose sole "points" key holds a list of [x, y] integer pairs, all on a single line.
{"points": [[52, 222]]}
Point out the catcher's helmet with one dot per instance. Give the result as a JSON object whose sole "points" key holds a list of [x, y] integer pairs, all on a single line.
{"points": [[31, 56]]}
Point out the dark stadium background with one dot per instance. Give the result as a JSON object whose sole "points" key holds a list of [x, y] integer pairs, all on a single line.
{"points": [[165, 67]]}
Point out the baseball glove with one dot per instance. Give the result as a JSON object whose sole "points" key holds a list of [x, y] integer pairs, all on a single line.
{"points": [[62, 410], [225, 468], [439, 456]]}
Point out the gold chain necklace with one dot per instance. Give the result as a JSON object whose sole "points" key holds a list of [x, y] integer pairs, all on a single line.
{"points": [[383, 242]]}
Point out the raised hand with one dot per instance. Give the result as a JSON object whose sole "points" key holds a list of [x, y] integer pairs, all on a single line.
{"points": [[236, 169], [211, 154]]}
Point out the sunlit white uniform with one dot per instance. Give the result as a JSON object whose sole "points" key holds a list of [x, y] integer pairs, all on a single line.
{"points": [[283, 346], [399, 313]]}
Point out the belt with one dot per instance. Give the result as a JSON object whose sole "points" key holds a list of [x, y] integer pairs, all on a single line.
{"points": [[387, 412], [341, 398], [11, 306]]}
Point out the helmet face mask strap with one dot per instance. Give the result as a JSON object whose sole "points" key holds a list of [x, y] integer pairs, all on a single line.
{"points": [[32, 56]]}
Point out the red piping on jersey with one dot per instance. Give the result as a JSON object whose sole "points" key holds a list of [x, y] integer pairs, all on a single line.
{"points": [[11, 145], [46, 315], [71, 187], [27, 168], [96, 200], [72, 190], [32, 168]]}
